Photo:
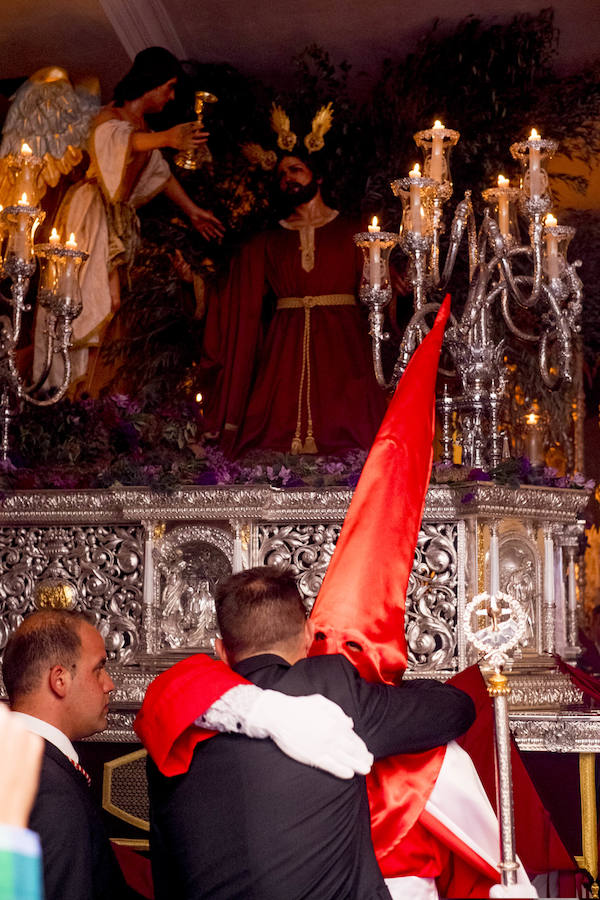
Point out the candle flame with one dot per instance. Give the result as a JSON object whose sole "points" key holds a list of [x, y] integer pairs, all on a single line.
{"points": [[550, 220], [23, 201], [54, 237], [26, 150], [374, 223], [437, 124], [534, 136], [532, 418], [502, 181], [71, 243], [199, 397], [416, 172]]}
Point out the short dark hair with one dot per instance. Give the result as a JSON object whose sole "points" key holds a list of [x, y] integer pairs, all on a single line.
{"points": [[257, 609], [151, 68], [43, 640]]}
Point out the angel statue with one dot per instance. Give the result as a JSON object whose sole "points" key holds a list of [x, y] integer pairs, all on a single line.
{"points": [[126, 170]]}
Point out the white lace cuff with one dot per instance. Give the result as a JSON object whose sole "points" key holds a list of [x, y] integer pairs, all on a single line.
{"points": [[231, 711]]}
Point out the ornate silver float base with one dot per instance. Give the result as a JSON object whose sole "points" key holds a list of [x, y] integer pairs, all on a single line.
{"points": [[143, 566]]}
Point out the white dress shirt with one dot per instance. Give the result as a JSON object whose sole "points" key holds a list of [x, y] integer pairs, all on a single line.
{"points": [[49, 733]]}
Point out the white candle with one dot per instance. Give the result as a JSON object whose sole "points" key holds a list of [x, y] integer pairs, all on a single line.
{"points": [[54, 238], [26, 181], [374, 256], [535, 174], [534, 443], [20, 244], [494, 562], [551, 248], [69, 273], [548, 612], [415, 200], [437, 151], [503, 208]]}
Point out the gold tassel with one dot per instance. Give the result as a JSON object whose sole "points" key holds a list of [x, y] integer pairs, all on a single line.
{"points": [[310, 445], [296, 448]]}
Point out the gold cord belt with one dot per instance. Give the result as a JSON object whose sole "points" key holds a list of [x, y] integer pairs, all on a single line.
{"points": [[307, 303]]}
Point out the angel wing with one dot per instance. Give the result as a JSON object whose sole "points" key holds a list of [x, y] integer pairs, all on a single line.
{"points": [[53, 117]]}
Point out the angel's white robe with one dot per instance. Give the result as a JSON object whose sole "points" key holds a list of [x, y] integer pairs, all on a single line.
{"points": [[117, 183]]}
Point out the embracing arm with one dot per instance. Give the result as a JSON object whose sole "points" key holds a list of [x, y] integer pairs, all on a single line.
{"points": [[415, 716], [174, 700], [200, 693]]}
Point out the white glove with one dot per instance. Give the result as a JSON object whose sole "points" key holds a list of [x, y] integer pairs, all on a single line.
{"points": [[513, 890], [312, 730]]}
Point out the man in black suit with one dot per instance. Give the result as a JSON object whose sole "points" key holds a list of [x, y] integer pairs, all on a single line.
{"points": [[55, 677], [246, 821]]}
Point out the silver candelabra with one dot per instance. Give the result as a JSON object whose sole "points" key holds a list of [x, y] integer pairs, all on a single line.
{"points": [[505, 276], [58, 293]]}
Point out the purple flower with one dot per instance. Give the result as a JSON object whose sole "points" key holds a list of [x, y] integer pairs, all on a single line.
{"points": [[124, 402], [333, 468], [285, 474], [478, 475], [442, 466], [206, 478], [468, 497], [524, 466]]}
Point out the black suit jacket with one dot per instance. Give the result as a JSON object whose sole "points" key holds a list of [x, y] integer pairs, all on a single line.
{"points": [[77, 858], [247, 822]]}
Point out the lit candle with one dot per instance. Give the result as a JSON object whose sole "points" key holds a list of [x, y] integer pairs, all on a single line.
{"points": [[415, 200], [26, 178], [69, 272], [20, 244], [551, 248], [437, 151], [374, 256], [503, 220], [535, 174], [54, 238], [534, 444]]}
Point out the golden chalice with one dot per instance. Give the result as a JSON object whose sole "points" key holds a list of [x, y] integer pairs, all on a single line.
{"points": [[199, 156]]}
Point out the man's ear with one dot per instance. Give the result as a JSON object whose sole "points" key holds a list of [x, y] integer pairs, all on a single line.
{"points": [[59, 680], [221, 651]]}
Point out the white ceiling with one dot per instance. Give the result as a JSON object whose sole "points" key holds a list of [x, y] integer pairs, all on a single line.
{"points": [[258, 37]]}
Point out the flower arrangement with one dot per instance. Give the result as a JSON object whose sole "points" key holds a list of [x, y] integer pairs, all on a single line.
{"points": [[115, 441]]}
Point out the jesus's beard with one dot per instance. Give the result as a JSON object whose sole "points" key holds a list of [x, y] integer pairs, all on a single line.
{"points": [[294, 194]]}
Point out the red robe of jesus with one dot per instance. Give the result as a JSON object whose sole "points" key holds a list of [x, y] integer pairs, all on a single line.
{"points": [[312, 374]]}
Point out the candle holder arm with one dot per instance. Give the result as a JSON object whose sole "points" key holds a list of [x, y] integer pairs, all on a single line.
{"points": [[463, 219]]}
